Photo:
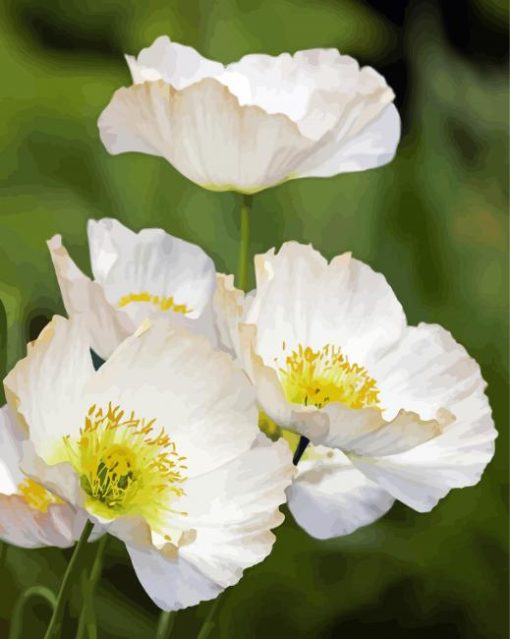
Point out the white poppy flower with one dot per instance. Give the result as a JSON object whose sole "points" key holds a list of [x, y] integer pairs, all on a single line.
{"points": [[253, 123], [393, 411], [160, 447], [30, 515], [136, 276]]}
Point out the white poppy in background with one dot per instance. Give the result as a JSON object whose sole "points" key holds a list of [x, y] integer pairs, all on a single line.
{"points": [[253, 123], [393, 411], [30, 515], [160, 447], [136, 276]]}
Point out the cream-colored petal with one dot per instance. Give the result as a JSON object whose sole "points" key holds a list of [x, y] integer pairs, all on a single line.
{"points": [[301, 300], [21, 525], [319, 89], [177, 278], [172, 62], [86, 300], [188, 127], [171, 582], [45, 388], [229, 305], [198, 395], [345, 150], [331, 498]]}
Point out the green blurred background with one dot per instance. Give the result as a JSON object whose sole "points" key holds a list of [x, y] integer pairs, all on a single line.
{"points": [[434, 222]]}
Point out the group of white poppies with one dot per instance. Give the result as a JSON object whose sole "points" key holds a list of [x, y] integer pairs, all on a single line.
{"points": [[182, 442]]}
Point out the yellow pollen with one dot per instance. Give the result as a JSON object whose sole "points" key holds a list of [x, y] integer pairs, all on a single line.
{"points": [[316, 378], [37, 496], [163, 303], [125, 466]]}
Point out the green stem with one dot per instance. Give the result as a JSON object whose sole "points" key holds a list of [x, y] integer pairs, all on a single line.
{"points": [[165, 624], [54, 630], [16, 629], [244, 248], [208, 624], [87, 616]]}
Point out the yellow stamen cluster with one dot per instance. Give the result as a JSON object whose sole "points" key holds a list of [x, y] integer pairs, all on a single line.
{"points": [[37, 496], [125, 467], [316, 378], [163, 303]]}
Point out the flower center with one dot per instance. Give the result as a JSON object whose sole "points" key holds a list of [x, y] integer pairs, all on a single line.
{"points": [[124, 467], [163, 303], [316, 378], [37, 496]]}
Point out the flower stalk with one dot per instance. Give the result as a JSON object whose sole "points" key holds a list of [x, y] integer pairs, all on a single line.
{"points": [[16, 629], [54, 630], [165, 624], [87, 623], [244, 248]]}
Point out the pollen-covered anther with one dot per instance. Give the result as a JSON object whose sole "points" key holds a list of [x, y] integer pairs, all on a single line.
{"points": [[317, 378], [124, 466], [36, 495], [163, 303]]}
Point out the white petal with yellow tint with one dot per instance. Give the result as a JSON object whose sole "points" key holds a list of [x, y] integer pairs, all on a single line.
{"points": [[46, 387], [86, 300], [150, 273], [331, 498], [172, 62], [229, 305], [303, 300], [198, 395], [188, 127], [30, 517]]}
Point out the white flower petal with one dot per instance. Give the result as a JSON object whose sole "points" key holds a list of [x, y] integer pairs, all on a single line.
{"points": [[85, 299], [11, 438], [425, 371], [233, 509], [188, 127], [27, 527], [45, 388], [229, 304], [319, 89], [300, 299], [199, 396], [420, 477], [372, 146], [172, 62], [330, 498], [171, 583], [151, 261]]}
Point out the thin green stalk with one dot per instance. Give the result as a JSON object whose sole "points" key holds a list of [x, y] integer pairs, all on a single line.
{"points": [[87, 622], [16, 629], [244, 248], [54, 630], [208, 624], [165, 624]]}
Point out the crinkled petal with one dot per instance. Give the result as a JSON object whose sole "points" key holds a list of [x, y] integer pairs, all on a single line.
{"points": [[172, 62], [11, 439], [176, 277], [86, 300], [45, 388], [188, 127], [423, 475], [319, 89], [330, 498]]}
